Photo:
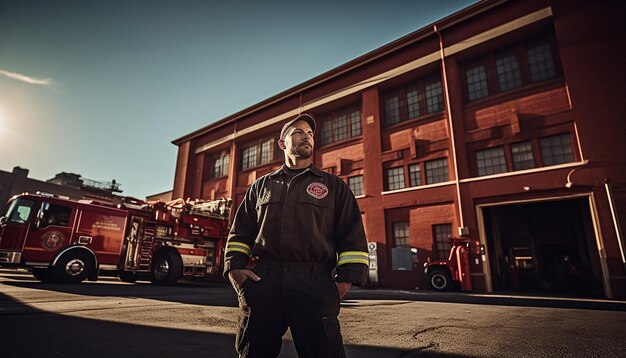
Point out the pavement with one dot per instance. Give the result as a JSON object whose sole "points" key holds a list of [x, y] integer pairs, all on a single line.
{"points": [[197, 318]]}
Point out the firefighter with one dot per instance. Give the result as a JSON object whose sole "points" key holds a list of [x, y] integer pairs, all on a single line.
{"points": [[295, 248]]}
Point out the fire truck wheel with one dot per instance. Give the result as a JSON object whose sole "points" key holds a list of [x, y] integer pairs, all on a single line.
{"points": [[166, 268], [439, 280], [126, 276], [42, 274], [72, 267]]}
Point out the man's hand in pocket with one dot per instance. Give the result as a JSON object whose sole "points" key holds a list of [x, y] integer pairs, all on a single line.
{"points": [[238, 276], [343, 288]]}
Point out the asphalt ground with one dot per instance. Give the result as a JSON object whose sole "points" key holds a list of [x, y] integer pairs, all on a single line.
{"points": [[109, 318]]}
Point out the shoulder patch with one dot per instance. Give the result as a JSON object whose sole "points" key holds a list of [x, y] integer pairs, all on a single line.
{"points": [[317, 190]]}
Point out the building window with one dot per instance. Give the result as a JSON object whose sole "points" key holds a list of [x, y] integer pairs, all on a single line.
{"points": [[513, 67], [355, 123], [258, 152], [541, 62], [509, 75], [442, 233], [266, 151], [477, 82], [522, 154], [436, 171], [413, 103], [392, 110], [491, 161], [217, 165], [326, 133], [434, 97], [356, 185], [401, 233], [395, 178], [415, 178], [556, 149], [340, 128], [248, 157], [419, 98], [340, 125]]}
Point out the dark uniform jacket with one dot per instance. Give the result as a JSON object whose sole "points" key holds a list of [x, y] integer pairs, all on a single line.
{"points": [[310, 218]]}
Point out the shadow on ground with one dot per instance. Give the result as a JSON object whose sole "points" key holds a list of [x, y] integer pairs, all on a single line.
{"points": [[483, 299], [221, 294], [208, 294], [35, 333]]}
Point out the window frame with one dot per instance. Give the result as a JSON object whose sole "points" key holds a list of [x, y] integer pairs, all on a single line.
{"points": [[513, 155], [439, 253], [474, 65], [402, 94], [330, 121], [362, 186], [540, 42], [388, 181], [502, 151], [407, 173], [53, 214], [406, 229], [505, 53], [533, 140], [13, 211], [519, 50], [210, 162], [258, 145], [426, 170], [567, 135], [418, 176]]}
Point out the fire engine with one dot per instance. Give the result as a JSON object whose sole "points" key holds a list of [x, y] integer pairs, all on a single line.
{"points": [[453, 272], [62, 240]]}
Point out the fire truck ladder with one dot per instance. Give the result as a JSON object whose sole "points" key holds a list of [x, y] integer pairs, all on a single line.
{"points": [[145, 249]]}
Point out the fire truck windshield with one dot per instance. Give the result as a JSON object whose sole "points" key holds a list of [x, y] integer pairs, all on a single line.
{"points": [[19, 210]]}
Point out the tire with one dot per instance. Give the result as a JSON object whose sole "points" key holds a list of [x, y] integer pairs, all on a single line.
{"points": [[439, 280], [129, 277], [73, 267], [42, 274], [166, 268]]}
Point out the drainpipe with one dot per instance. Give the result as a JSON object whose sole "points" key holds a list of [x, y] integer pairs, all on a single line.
{"points": [[618, 229], [232, 171], [454, 158]]}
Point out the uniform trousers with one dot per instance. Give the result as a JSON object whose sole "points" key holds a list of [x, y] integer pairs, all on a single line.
{"points": [[299, 296]]}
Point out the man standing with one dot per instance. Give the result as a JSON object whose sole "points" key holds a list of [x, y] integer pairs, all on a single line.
{"points": [[295, 248]]}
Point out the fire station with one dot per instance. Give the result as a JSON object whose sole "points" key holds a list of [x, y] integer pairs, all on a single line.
{"points": [[501, 125]]}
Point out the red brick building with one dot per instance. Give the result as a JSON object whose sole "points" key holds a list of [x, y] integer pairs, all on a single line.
{"points": [[503, 123]]}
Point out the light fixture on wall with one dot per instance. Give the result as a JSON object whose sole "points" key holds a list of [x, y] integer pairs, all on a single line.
{"points": [[569, 182]]}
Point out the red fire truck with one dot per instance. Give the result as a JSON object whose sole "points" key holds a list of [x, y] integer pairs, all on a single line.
{"points": [[453, 272], [61, 240]]}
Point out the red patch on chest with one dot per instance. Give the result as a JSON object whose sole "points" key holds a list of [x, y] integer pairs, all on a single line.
{"points": [[317, 190]]}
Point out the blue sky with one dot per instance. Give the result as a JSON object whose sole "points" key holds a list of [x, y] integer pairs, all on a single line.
{"points": [[101, 88]]}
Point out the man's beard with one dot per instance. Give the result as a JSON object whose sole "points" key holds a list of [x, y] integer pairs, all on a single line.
{"points": [[302, 152]]}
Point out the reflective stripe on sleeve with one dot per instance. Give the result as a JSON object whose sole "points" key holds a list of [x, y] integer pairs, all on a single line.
{"points": [[238, 247], [353, 257]]}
